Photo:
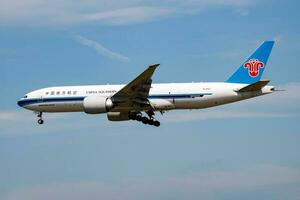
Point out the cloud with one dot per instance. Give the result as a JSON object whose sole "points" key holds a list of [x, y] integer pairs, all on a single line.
{"points": [[128, 15], [21, 116], [27, 123], [243, 12], [278, 38], [54, 122], [288, 95], [114, 12], [213, 115], [101, 49], [193, 186], [8, 115]]}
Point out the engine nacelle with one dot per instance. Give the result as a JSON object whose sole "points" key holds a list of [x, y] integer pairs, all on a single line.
{"points": [[97, 104], [117, 116]]}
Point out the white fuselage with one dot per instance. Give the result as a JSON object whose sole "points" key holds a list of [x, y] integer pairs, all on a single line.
{"points": [[163, 96]]}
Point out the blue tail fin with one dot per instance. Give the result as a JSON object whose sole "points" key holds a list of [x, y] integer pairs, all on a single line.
{"points": [[253, 68]]}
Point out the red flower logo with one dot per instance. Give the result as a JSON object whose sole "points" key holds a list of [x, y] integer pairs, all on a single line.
{"points": [[253, 66]]}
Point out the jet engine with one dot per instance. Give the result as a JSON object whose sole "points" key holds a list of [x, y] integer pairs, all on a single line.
{"points": [[97, 104]]}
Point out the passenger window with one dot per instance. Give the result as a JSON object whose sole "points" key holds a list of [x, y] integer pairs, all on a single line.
{"points": [[64, 92], [52, 92], [69, 92], [47, 93], [57, 93], [74, 92]]}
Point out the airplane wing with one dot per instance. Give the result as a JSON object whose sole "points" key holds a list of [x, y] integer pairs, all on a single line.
{"points": [[134, 95]]}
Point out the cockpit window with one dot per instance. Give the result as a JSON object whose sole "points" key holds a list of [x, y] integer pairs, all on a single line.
{"points": [[25, 97]]}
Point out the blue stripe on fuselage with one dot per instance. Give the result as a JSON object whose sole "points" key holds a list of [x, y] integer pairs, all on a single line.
{"points": [[24, 102], [173, 96]]}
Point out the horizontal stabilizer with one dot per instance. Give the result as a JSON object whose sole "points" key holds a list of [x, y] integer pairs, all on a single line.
{"points": [[254, 87]]}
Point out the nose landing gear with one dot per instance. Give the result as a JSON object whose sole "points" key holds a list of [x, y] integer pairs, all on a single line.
{"points": [[40, 120]]}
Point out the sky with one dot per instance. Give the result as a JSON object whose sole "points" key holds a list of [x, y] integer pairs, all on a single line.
{"points": [[247, 150]]}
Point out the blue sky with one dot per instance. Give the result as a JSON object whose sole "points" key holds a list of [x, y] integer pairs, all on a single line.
{"points": [[247, 150]]}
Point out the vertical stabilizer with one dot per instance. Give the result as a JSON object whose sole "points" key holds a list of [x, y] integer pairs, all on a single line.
{"points": [[252, 69]]}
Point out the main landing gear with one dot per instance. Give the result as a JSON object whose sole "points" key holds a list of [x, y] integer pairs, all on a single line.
{"points": [[40, 120], [145, 120]]}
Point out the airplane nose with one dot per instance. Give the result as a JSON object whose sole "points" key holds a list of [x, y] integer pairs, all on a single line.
{"points": [[20, 103]]}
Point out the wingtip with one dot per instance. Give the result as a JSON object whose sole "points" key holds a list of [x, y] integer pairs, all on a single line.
{"points": [[154, 65]]}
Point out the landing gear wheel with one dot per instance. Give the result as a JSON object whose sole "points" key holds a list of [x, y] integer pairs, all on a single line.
{"points": [[139, 118], [151, 122], [132, 116], [40, 121], [156, 123], [145, 120]]}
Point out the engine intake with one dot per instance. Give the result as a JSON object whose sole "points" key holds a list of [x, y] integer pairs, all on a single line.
{"points": [[97, 104]]}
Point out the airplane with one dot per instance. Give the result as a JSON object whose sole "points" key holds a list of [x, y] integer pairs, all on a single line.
{"points": [[140, 98]]}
